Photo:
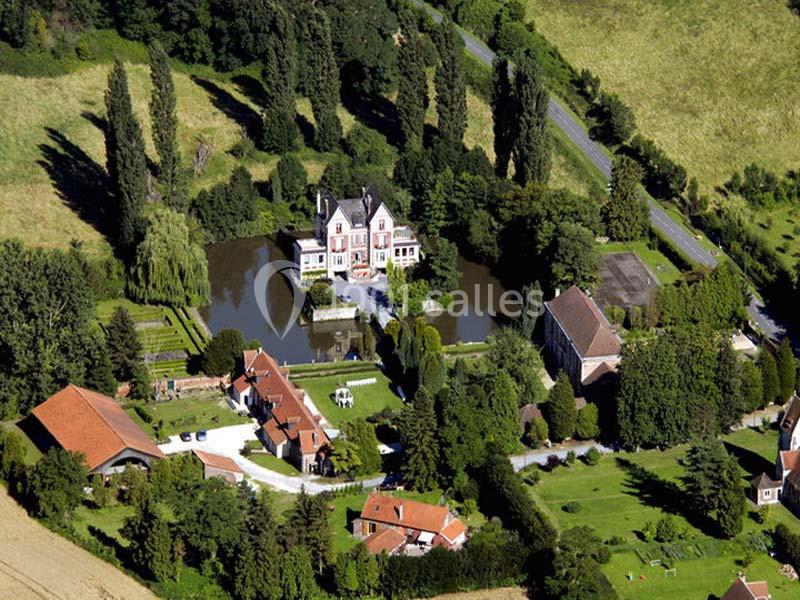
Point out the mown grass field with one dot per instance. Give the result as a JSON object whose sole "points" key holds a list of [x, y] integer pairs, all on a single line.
{"points": [[625, 491], [368, 399], [714, 83], [273, 463], [193, 411]]}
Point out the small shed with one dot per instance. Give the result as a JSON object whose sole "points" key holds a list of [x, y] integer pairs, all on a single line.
{"points": [[765, 490], [215, 465]]}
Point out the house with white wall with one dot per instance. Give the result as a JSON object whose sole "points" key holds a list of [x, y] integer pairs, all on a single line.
{"points": [[356, 237]]}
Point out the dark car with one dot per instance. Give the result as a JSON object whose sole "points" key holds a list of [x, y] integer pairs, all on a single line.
{"points": [[186, 436], [201, 435], [392, 482]]}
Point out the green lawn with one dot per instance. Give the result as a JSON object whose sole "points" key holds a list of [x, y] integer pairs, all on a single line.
{"points": [[107, 520], [32, 453], [780, 227], [627, 490], [368, 400], [273, 463], [200, 410], [660, 265], [346, 508]]}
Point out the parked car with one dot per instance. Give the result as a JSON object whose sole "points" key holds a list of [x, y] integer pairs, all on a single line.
{"points": [[391, 482], [186, 436], [201, 435]]}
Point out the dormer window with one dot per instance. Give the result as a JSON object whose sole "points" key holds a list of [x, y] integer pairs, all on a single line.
{"points": [[338, 228], [381, 224]]}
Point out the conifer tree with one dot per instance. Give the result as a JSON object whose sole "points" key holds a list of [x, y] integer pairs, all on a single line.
{"points": [[627, 215], [151, 543], [122, 341], [280, 65], [504, 115], [786, 370], [728, 380], [125, 161], [769, 376], [418, 428], [297, 575], [309, 528], [325, 93], [451, 89], [99, 373], [532, 144], [560, 409], [164, 120], [412, 86], [434, 204]]}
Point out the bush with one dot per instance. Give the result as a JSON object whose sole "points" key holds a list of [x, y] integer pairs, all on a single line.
{"points": [[320, 294], [553, 462], [592, 457], [571, 457], [532, 477], [587, 426], [367, 147], [143, 413], [572, 507], [615, 540], [666, 530]]}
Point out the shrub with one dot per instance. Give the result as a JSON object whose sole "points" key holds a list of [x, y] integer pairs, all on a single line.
{"points": [[571, 457], [592, 457], [320, 294], [367, 147], [552, 462], [587, 426], [666, 530], [531, 476], [616, 540], [143, 413], [572, 507]]}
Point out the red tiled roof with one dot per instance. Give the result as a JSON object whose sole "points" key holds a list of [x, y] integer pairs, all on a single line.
{"points": [[790, 459], [290, 416], [415, 515], [742, 590], [216, 461], [387, 540], [241, 383], [84, 421], [453, 530], [584, 323]]}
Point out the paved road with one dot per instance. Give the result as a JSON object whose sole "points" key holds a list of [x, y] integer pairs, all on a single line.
{"points": [[600, 157], [228, 441]]}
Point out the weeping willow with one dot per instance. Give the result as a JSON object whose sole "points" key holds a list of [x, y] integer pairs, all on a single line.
{"points": [[170, 268]]}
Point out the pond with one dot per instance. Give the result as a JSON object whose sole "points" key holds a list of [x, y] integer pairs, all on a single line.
{"points": [[233, 266]]}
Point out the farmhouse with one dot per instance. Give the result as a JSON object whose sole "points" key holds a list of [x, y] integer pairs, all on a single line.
{"points": [[390, 524], [786, 486], [579, 338], [741, 589], [80, 420], [288, 430], [356, 237], [223, 467]]}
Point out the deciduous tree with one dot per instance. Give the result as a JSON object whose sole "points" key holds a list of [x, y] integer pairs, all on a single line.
{"points": [[532, 144], [451, 89], [627, 215]]}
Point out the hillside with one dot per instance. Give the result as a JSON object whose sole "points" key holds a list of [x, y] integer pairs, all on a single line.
{"points": [[714, 83], [37, 563]]}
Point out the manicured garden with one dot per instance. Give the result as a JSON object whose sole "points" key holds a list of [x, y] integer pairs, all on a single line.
{"points": [[368, 399], [162, 330], [198, 410], [626, 491]]}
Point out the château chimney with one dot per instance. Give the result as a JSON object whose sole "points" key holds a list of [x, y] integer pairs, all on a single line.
{"points": [[400, 510], [319, 201]]}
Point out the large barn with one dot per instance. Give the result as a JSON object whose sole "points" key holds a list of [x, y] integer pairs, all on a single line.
{"points": [[80, 420]]}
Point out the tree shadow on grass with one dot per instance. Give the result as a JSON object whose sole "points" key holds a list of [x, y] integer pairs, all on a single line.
{"points": [[753, 463], [247, 118], [81, 182], [252, 88], [651, 489], [377, 113]]}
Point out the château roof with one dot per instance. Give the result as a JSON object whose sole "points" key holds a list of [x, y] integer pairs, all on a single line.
{"points": [[584, 324]]}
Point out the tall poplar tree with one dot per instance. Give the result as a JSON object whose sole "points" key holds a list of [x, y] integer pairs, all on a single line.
{"points": [[627, 215], [164, 119], [125, 161], [560, 410], [325, 92], [412, 86], [786, 370], [504, 115], [531, 150], [728, 379], [451, 88], [280, 66]]}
